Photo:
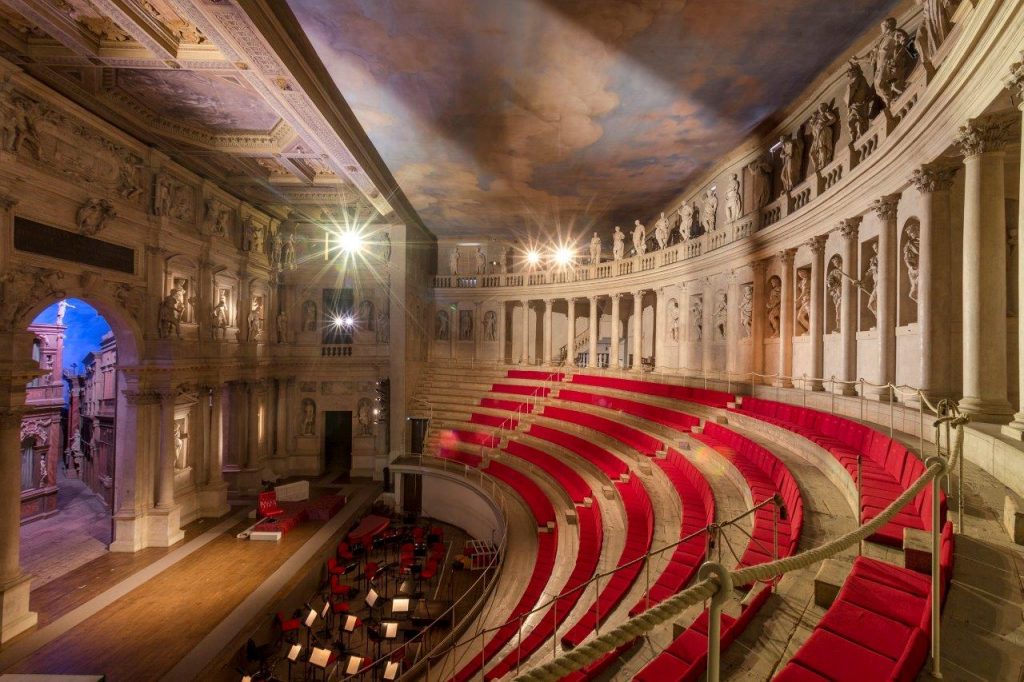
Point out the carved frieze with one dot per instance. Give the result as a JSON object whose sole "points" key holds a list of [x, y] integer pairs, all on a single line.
{"points": [[93, 216]]}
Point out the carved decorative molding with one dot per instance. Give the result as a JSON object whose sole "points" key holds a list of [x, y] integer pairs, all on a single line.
{"points": [[933, 178], [816, 245], [139, 398], [38, 428], [786, 256], [885, 207], [986, 134], [850, 227], [1015, 82]]}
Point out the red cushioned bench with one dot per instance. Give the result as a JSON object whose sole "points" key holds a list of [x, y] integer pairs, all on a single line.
{"points": [[887, 467], [534, 375], [449, 437], [634, 438], [566, 476], [879, 626], [609, 464], [702, 396], [673, 419], [493, 420], [686, 658], [510, 405], [516, 389]]}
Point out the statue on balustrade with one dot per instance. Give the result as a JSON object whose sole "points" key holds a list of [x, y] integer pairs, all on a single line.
{"points": [[618, 244], [465, 325], [747, 310], [309, 316], [697, 315], [441, 327], [276, 250], [935, 25], [289, 252], [733, 199], [673, 320], [481, 260], [639, 238], [822, 136], [721, 315], [685, 221], [453, 261], [892, 61], [709, 207], [871, 279], [760, 182], [774, 306], [595, 250], [490, 326], [661, 231], [834, 286], [791, 149], [912, 257], [803, 301], [859, 99]]}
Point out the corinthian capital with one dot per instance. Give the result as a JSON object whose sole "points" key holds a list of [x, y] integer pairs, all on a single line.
{"points": [[933, 178], [786, 256], [886, 206], [986, 134], [1015, 81], [816, 245], [849, 227]]}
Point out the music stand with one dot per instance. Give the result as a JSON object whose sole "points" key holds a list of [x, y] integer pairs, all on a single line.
{"points": [[391, 670], [308, 622], [325, 614], [372, 599], [348, 627], [400, 607], [354, 664], [320, 658], [293, 657]]}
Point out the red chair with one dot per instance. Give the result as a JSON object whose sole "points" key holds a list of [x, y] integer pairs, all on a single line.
{"points": [[334, 568], [429, 571], [344, 552], [339, 588], [288, 625], [268, 507]]}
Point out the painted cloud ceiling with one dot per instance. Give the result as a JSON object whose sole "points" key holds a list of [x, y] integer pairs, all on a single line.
{"points": [[525, 116]]}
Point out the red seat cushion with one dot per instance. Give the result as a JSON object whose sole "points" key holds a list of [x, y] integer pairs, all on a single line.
{"points": [[841, 660]]}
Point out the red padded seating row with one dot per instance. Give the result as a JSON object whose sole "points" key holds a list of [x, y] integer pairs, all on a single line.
{"points": [[689, 394], [698, 503], [639, 532], [566, 476], [673, 419], [539, 503], [686, 658], [634, 438], [887, 467], [510, 405], [609, 464], [516, 389], [879, 626], [451, 436], [535, 375], [492, 420]]}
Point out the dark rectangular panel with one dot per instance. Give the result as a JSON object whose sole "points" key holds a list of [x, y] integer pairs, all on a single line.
{"points": [[45, 240]]}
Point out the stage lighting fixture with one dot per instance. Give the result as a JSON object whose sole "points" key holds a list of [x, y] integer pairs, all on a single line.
{"points": [[532, 257], [563, 255], [350, 241]]}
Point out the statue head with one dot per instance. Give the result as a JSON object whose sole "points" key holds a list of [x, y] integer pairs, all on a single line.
{"points": [[853, 70], [888, 24]]}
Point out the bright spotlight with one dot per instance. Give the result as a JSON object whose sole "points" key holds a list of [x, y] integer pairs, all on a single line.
{"points": [[563, 255], [533, 256], [347, 321], [350, 241]]}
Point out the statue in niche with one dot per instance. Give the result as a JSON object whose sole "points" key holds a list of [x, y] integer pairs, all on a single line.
{"points": [[618, 244], [44, 471], [721, 315], [747, 310], [367, 315], [383, 325], [834, 286], [255, 319], [179, 446], [288, 259], [871, 279], [385, 251], [481, 261], [308, 417], [859, 96], [364, 415], [709, 209], [892, 61], [661, 231], [935, 25], [639, 238], [790, 151], [441, 327], [595, 250], [822, 138], [248, 233], [18, 126], [673, 320], [276, 250], [309, 321], [282, 326], [219, 317], [465, 325], [172, 309], [697, 315], [803, 301], [92, 216], [733, 199], [912, 257], [490, 326], [453, 261], [129, 183], [760, 182], [774, 306], [685, 221]]}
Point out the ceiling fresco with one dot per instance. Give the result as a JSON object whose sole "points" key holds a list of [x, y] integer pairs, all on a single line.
{"points": [[550, 116]]}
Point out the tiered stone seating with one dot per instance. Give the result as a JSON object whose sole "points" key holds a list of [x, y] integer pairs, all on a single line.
{"points": [[639, 532], [612, 467], [766, 476], [879, 626], [539, 503], [643, 443], [888, 467], [673, 419], [520, 389], [698, 504], [689, 394]]}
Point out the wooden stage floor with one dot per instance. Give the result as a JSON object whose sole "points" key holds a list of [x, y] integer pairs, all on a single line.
{"points": [[136, 616]]}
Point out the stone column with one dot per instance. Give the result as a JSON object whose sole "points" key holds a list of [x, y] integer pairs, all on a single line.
{"points": [[848, 306], [984, 277], [786, 319], [933, 182], [885, 321], [281, 417], [502, 325], [477, 323], [817, 330], [570, 332], [252, 408], [1015, 429], [732, 327], [684, 329], [15, 617], [547, 331], [165, 467], [613, 360], [757, 318], [525, 359], [213, 496], [592, 334], [638, 329], [707, 339], [661, 302]]}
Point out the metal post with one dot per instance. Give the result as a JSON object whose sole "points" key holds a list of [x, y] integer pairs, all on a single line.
{"points": [[597, 605], [832, 395], [519, 646], [647, 593], [862, 399], [554, 637], [775, 536], [936, 578], [718, 600], [860, 545], [892, 413]]}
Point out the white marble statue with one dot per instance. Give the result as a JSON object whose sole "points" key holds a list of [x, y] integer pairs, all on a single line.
{"points": [[219, 316], [733, 199], [834, 286], [308, 417], [822, 136], [774, 306], [490, 326], [276, 250], [639, 238], [912, 258], [790, 152], [685, 221], [288, 259], [935, 25], [62, 309], [859, 95], [721, 315], [595, 250], [871, 279], [673, 320], [441, 326], [179, 447], [760, 182], [661, 232], [481, 260], [453, 261], [709, 211], [747, 310], [803, 302], [697, 317], [892, 61], [618, 244], [172, 309], [255, 319]]}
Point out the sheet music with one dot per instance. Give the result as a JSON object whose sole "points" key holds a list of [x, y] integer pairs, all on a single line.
{"points": [[354, 662], [400, 605], [320, 657], [310, 618], [350, 623], [293, 653], [391, 670], [390, 630]]}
